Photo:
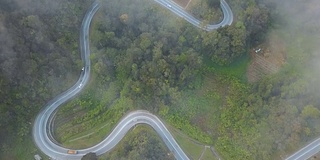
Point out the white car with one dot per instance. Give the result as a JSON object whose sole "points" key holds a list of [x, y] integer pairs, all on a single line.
{"points": [[169, 5]]}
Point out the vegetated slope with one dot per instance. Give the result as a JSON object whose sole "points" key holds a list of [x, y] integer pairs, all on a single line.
{"points": [[275, 116], [39, 59], [141, 143], [207, 10], [265, 120], [151, 59], [148, 61]]}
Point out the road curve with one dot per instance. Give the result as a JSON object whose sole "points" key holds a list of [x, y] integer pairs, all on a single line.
{"points": [[42, 129], [227, 15]]}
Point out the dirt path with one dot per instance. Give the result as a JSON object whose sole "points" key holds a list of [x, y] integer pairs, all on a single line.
{"points": [[89, 134], [204, 149], [187, 4], [215, 153], [183, 3], [198, 143]]}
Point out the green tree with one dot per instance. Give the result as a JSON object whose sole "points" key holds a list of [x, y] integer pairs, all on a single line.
{"points": [[225, 45], [141, 143], [90, 156], [310, 111], [213, 3]]}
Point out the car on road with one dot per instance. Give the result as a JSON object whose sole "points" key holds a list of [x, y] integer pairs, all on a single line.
{"points": [[169, 5], [72, 152]]}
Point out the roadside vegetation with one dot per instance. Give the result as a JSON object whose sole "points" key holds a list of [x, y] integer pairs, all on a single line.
{"points": [[142, 142], [207, 10], [145, 57], [193, 149]]}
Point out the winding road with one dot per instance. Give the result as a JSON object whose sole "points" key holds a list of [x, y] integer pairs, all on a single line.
{"points": [[42, 129], [227, 15]]}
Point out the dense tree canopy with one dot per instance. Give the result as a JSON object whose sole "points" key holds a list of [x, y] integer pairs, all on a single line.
{"points": [[226, 44], [141, 143]]}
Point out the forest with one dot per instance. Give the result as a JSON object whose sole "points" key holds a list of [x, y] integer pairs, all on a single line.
{"points": [[144, 57]]}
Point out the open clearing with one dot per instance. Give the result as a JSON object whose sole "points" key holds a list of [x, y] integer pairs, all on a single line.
{"points": [[266, 58], [192, 148]]}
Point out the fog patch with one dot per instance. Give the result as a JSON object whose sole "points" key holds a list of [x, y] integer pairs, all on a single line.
{"points": [[7, 54], [44, 6]]}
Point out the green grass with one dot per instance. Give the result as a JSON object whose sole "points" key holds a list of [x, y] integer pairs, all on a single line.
{"points": [[208, 155], [198, 111], [99, 126], [90, 137], [203, 109], [237, 68], [192, 149]]}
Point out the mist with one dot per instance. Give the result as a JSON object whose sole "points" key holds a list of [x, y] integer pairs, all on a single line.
{"points": [[303, 24], [7, 54], [299, 18], [299, 21]]}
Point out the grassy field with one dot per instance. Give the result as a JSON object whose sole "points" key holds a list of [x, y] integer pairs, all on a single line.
{"points": [[201, 108], [94, 129], [192, 149], [208, 155], [88, 138], [237, 69]]}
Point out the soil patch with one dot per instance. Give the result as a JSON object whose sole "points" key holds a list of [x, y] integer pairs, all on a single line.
{"points": [[267, 58]]}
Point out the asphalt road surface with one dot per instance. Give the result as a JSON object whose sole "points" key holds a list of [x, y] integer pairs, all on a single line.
{"points": [[227, 15], [42, 129], [307, 151]]}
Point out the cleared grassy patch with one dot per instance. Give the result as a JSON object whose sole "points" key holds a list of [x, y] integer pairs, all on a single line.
{"points": [[192, 149], [237, 69], [201, 113], [89, 138], [208, 155], [95, 129], [197, 113]]}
